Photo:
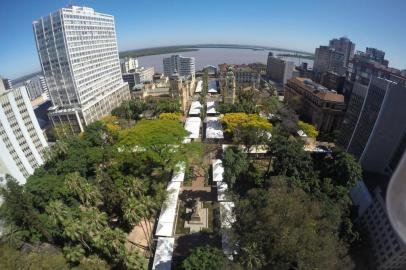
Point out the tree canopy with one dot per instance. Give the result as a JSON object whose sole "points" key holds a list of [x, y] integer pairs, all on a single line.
{"points": [[284, 228], [309, 129]]}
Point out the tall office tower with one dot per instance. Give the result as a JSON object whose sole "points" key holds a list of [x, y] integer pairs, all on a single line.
{"points": [[279, 70], [7, 84], [22, 142], [128, 64], [77, 48], [36, 86], [328, 59], [177, 64], [376, 55], [345, 46], [374, 126]]}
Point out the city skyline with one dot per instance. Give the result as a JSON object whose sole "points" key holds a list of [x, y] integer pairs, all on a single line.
{"points": [[139, 25]]}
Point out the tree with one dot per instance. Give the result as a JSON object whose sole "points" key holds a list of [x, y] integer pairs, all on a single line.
{"points": [[171, 116], [235, 163], [289, 159], [284, 228], [159, 140], [165, 106], [207, 258], [270, 105], [232, 121], [19, 215], [289, 118], [309, 129]]}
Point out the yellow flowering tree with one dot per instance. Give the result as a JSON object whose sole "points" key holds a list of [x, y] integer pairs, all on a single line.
{"points": [[232, 121], [309, 129], [171, 116]]}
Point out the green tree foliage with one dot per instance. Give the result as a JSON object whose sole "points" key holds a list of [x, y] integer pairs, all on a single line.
{"points": [[46, 259], [270, 105], [159, 140], [129, 109], [288, 158], [309, 129], [207, 258], [164, 106], [235, 163], [284, 228], [171, 116], [245, 103], [289, 118]]}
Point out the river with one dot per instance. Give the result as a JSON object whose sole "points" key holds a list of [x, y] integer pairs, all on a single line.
{"points": [[215, 56]]}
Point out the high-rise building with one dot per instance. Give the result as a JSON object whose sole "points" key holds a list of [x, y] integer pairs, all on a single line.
{"points": [[374, 126], [333, 81], [177, 64], [315, 104], [328, 59], [35, 86], [22, 142], [77, 48], [345, 46], [376, 55], [279, 70], [7, 84], [128, 64], [139, 75]]}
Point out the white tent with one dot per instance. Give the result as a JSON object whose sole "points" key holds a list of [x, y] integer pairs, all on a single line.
{"points": [[168, 211], [212, 85], [195, 108], [226, 214], [163, 253], [227, 219], [221, 191], [214, 129], [198, 87], [192, 125], [218, 170], [211, 107], [179, 172]]}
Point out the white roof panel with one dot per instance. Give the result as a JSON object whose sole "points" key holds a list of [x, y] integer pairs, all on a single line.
{"points": [[211, 107], [198, 87], [179, 172], [221, 191], [163, 254], [214, 129], [192, 125], [212, 85], [168, 210], [195, 108], [218, 170], [226, 214]]}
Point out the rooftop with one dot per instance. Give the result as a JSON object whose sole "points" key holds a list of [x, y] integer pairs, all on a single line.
{"points": [[318, 90]]}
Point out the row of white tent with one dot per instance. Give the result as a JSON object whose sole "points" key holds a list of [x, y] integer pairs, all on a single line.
{"points": [[212, 86], [226, 207], [166, 221]]}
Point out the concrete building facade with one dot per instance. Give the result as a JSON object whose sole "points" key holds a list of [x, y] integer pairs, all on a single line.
{"points": [[22, 142], [345, 46], [139, 75], [35, 86], [128, 64], [328, 59], [279, 70], [78, 52], [315, 103], [374, 126], [177, 64]]}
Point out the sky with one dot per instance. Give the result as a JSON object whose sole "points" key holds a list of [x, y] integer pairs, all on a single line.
{"points": [[292, 24]]}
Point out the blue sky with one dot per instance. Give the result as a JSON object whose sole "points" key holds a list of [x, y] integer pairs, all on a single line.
{"points": [[294, 24]]}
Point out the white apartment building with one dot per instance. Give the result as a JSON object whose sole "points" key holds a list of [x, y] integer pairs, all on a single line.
{"points": [[177, 64], [36, 86], [128, 64], [22, 142], [77, 48]]}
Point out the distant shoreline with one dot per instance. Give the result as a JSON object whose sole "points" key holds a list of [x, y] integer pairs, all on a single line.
{"points": [[189, 48]]}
